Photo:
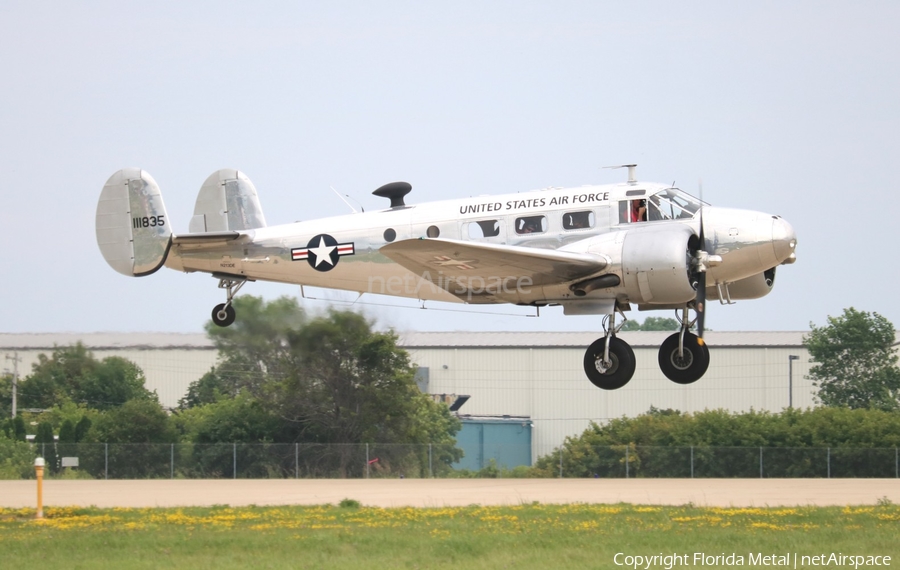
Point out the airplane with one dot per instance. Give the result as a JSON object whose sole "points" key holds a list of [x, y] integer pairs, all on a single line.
{"points": [[593, 250]]}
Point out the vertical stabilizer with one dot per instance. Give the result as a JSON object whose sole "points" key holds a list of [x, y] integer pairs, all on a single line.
{"points": [[227, 202], [133, 229]]}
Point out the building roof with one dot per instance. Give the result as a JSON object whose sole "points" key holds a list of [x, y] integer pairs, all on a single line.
{"points": [[410, 340], [468, 339], [104, 340]]}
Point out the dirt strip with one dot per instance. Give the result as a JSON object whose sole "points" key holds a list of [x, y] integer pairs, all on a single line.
{"points": [[453, 492]]}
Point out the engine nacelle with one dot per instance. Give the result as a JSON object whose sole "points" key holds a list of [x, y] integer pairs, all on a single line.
{"points": [[653, 264], [752, 287]]}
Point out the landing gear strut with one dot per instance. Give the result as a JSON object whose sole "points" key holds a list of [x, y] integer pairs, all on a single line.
{"points": [[223, 314], [609, 361], [684, 357]]}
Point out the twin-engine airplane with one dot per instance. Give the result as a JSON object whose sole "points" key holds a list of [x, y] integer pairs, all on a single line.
{"points": [[592, 250]]}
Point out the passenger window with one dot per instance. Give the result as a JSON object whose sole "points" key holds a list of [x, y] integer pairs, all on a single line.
{"points": [[578, 220], [531, 225], [483, 229]]}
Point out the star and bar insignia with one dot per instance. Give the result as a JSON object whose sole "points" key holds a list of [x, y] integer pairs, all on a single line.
{"points": [[322, 252]]}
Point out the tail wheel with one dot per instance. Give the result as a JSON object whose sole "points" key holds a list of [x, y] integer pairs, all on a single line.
{"points": [[617, 371], [690, 365], [223, 315]]}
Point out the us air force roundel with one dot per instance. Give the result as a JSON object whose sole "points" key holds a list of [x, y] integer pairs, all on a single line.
{"points": [[322, 252]]}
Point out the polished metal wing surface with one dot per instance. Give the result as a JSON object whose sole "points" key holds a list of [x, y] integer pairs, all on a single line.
{"points": [[488, 270]]}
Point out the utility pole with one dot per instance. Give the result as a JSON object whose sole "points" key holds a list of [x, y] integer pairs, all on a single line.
{"points": [[15, 384], [791, 359]]}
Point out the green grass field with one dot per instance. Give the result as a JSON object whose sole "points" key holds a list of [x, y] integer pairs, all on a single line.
{"points": [[525, 536]]}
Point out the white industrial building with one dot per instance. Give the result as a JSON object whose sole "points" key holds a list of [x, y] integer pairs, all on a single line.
{"points": [[521, 374]]}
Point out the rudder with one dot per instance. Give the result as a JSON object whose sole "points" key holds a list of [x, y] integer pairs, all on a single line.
{"points": [[133, 229]]}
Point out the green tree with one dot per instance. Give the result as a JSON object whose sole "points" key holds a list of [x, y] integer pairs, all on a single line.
{"points": [[135, 433], [6, 395], [67, 432], [135, 421], [46, 446], [16, 459], [73, 374], [18, 431], [855, 362], [652, 324], [328, 380], [660, 324], [231, 420]]}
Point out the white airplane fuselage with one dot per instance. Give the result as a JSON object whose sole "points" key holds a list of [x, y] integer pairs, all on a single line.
{"points": [[749, 243]]}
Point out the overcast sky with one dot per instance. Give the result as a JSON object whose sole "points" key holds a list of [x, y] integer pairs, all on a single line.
{"points": [[789, 108]]}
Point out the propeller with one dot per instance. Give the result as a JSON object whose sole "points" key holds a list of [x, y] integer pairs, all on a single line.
{"points": [[700, 303], [702, 267]]}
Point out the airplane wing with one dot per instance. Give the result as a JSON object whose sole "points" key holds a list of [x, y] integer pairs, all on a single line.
{"points": [[466, 269]]}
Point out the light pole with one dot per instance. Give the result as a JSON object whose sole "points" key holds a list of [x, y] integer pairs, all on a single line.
{"points": [[791, 359], [16, 360]]}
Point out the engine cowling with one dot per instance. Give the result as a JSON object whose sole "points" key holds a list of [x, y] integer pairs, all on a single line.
{"points": [[752, 287], [653, 264]]}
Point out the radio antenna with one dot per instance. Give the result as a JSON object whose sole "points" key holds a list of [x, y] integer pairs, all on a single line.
{"points": [[346, 202]]}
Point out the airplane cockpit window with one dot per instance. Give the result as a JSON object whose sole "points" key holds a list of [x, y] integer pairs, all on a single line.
{"points": [[531, 225], [672, 204], [632, 211], [483, 229], [578, 220]]}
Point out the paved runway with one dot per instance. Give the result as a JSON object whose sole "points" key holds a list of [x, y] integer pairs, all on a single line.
{"points": [[452, 492]]}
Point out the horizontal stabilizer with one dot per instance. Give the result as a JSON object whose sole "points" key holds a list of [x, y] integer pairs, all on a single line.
{"points": [[133, 229], [227, 202], [210, 239]]}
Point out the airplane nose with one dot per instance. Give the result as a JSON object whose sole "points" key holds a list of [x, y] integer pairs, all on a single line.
{"points": [[783, 239]]}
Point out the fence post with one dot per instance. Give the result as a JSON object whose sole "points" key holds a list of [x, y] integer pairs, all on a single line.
{"points": [[105, 461], [829, 463], [692, 462], [626, 462], [367, 461], [234, 459], [430, 464], [296, 460], [172, 461]]}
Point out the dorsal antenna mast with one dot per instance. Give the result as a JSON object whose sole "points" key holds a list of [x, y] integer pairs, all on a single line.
{"points": [[631, 171]]}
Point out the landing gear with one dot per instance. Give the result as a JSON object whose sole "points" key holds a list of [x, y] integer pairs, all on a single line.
{"points": [[613, 372], [223, 315], [684, 357], [609, 362]]}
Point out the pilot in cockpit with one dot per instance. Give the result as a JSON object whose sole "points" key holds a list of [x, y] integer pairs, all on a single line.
{"points": [[639, 210]]}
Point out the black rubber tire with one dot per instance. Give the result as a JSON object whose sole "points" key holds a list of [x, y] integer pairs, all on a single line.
{"points": [[691, 366], [228, 317], [623, 364]]}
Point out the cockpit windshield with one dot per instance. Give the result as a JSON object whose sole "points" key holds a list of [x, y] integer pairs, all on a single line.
{"points": [[672, 204]]}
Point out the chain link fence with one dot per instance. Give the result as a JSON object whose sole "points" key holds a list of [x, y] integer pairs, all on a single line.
{"points": [[318, 461]]}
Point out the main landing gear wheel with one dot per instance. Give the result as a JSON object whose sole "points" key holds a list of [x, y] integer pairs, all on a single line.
{"points": [[690, 365], [617, 371], [223, 315]]}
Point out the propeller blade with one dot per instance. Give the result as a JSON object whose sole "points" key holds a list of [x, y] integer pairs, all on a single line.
{"points": [[700, 303]]}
